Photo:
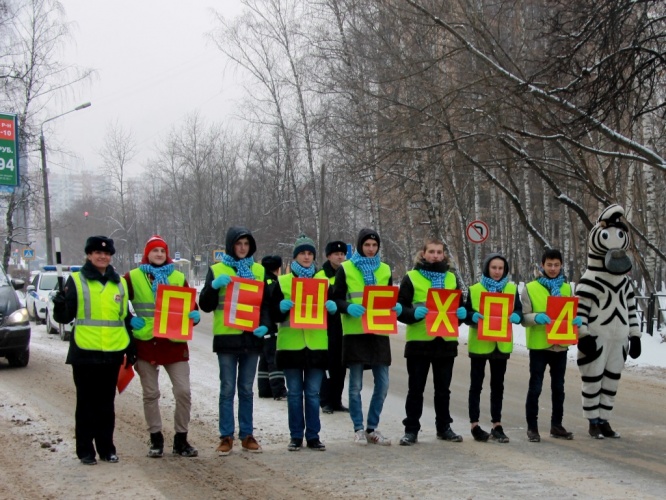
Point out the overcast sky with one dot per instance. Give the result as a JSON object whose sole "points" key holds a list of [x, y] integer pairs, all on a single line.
{"points": [[154, 65]]}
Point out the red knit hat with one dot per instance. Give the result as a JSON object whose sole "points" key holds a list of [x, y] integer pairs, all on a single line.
{"points": [[155, 241]]}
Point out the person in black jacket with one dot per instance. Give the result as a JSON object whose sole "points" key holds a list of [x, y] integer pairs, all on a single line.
{"points": [[96, 297], [361, 350], [431, 270], [237, 350], [270, 380], [333, 384]]}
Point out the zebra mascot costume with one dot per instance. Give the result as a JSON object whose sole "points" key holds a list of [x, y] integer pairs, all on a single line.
{"points": [[610, 325]]}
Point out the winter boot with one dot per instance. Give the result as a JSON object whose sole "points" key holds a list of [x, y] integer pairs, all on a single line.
{"points": [[182, 447], [156, 445]]}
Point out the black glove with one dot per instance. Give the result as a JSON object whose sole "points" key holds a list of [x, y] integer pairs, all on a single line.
{"points": [[634, 347], [130, 355], [587, 345], [59, 300]]}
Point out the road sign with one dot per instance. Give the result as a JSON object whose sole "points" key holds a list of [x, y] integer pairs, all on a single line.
{"points": [[217, 255], [176, 255], [197, 258], [28, 254], [477, 231], [137, 258], [349, 251], [9, 164]]}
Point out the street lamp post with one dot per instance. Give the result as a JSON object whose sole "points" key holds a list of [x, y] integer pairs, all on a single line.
{"points": [[45, 183]]}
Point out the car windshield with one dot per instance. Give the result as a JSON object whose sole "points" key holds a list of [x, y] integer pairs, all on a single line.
{"points": [[48, 282]]}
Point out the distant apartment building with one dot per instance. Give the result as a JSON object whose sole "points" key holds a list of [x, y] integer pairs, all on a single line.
{"points": [[67, 189]]}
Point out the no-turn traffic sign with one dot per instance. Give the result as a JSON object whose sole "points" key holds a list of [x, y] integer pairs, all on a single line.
{"points": [[477, 231]]}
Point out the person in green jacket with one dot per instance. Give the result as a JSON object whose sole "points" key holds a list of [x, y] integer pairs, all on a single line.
{"points": [[495, 278], [534, 297]]}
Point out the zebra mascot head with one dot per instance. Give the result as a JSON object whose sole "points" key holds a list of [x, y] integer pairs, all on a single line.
{"points": [[608, 242]]}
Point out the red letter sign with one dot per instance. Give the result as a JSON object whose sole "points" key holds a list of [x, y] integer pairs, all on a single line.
{"points": [[496, 309], [242, 303], [441, 320], [309, 296], [379, 316], [562, 311], [172, 306]]}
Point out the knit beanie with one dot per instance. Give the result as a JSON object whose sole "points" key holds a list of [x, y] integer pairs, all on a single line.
{"points": [[366, 234], [304, 243], [155, 241], [335, 246]]}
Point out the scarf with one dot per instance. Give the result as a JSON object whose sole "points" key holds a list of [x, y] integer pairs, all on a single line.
{"points": [[553, 285], [243, 267], [160, 274], [437, 279], [367, 265], [303, 272], [494, 286]]}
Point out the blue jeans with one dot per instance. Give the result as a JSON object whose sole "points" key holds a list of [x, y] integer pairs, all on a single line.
{"points": [[381, 376], [539, 360], [303, 383], [246, 366]]}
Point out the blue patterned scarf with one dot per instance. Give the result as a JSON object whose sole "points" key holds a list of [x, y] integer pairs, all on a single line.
{"points": [[553, 285], [494, 286], [367, 265], [437, 279], [243, 267], [160, 274], [303, 272]]}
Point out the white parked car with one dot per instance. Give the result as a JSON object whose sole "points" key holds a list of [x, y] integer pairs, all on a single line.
{"points": [[64, 330], [38, 290]]}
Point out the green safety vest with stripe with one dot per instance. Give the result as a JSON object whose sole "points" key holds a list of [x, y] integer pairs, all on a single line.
{"points": [[476, 346], [219, 327], [355, 285], [297, 339], [144, 300], [321, 274], [421, 284], [100, 314], [536, 335]]}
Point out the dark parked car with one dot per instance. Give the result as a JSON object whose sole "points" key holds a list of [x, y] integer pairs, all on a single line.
{"points": [[14, 322]]}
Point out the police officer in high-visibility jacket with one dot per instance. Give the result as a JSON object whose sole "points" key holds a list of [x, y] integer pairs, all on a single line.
{"points": [[96, 297], [495, 278]]}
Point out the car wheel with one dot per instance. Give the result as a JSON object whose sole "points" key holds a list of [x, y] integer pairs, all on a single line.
{"points": [[64, 334], [49, 325], [19, 359], [35, 318]]}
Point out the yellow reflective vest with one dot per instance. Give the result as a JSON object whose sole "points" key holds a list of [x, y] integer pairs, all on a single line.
{"points": [[355, 285], [297, 339], [144, 300], [421, 284], [536, 335], [476, 346], [100, 314]]}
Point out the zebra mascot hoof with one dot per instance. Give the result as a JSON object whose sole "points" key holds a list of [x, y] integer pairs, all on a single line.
{"points": [[607, 305]]}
